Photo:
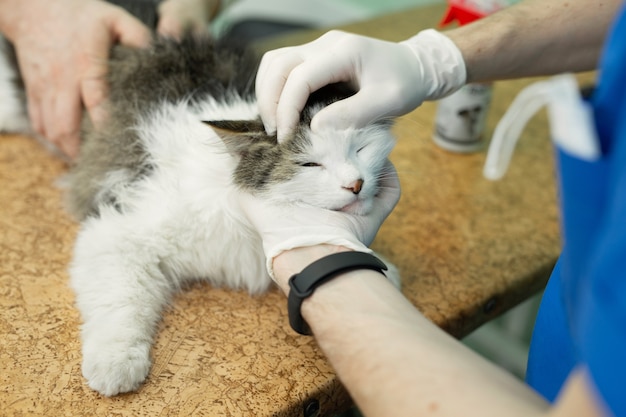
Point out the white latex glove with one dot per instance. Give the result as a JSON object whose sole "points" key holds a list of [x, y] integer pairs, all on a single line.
{"points": [[391, 78], [284, 227]]}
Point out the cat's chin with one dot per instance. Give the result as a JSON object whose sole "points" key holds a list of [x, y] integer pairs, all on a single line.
{"points": [[357, 208]]}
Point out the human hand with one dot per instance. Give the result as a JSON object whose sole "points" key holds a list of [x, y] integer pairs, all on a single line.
{"points": [[62, 48], [284, 226], [176, 16], [391, 78]]}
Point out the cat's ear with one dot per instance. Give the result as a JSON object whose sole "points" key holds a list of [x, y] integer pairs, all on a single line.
{"points": [[239, 135], [236, 127]]}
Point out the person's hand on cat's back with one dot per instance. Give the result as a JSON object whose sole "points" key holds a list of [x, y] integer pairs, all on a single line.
{"points": [[62, 49], [391, 78], [287, 226]]}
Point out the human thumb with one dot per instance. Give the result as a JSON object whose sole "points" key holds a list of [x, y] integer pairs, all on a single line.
{"points": [[124, 28], [130, 31]]}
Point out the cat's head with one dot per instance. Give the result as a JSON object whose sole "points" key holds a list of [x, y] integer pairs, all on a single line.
{"points": [[334, 169]]}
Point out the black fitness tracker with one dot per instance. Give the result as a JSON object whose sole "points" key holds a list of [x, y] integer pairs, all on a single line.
{"points": [[304, 283]]}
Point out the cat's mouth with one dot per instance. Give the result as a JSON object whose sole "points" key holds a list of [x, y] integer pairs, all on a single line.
{"points": [[349, 208], [357, 207]]}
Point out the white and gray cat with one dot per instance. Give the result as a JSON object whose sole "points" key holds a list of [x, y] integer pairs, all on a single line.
{"points": [[156, 187]]}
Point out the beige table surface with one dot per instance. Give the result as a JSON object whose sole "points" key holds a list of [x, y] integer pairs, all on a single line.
{"points": [[468, 249]]}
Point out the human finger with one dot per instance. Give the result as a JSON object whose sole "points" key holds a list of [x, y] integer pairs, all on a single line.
{"points": [[61, 117], [170, 27], [128, 30], [273, 72], [276, 70], [389, 191], [93, 76], [94, 92], [175, 20], [178, 16], [121, 27], [306, 78], [34, 113], [368, 105]]}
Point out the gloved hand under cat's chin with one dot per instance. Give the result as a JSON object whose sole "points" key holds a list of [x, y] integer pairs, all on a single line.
{"points": [[287, 226]]}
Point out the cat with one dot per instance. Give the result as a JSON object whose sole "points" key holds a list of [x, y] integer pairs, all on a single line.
{"points": [[155, 190]]}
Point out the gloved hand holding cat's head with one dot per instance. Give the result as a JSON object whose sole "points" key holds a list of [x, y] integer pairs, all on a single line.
{"points": [[390, 78], [327, 187], [333, 186]]}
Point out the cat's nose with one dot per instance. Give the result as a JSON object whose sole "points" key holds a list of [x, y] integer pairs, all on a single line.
{"points": [[355, 187]]}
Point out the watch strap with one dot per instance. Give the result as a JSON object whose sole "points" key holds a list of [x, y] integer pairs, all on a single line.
{"points": [[304, 283]]}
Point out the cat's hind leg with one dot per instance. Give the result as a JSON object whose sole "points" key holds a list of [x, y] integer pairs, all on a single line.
{"points": [[120, 292]]}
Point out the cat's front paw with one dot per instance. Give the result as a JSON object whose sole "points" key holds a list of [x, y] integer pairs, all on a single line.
{"points": [[116, 368]]}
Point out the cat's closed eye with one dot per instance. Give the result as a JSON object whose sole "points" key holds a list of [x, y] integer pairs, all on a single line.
{"points": [[310, 164]]}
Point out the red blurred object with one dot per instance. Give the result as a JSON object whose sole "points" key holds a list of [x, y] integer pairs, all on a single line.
{"points": [[466, 11], [459, 13]]}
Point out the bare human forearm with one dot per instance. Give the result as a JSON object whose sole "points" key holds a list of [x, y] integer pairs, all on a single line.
{"points": [[535, 37], [394, 361]]}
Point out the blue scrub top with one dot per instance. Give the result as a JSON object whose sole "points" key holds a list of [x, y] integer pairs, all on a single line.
{"points": [[582, 317]]}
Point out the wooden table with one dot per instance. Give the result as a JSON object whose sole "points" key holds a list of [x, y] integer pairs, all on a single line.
{"points": [[468, 249]]}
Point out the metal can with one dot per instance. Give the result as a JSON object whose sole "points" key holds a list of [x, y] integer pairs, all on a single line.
{"points": [[461, 117]]}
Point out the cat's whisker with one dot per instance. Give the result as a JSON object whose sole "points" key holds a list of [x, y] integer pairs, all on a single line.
{"points": [[416, 124]]}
